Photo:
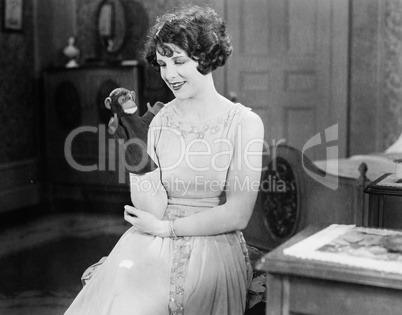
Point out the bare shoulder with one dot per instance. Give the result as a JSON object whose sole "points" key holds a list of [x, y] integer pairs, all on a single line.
{"points": [[252, 121]]}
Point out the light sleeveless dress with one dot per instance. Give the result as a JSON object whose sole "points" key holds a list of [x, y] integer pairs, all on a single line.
{"points": [[148, 275]]}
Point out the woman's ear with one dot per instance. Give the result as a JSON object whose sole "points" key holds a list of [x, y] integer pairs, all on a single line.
{"points": [[108, 100]]}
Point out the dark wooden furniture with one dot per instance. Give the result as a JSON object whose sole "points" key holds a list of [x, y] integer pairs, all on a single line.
{"points": [[296, 286], [82, 158], [385, 205], [295, 193]]}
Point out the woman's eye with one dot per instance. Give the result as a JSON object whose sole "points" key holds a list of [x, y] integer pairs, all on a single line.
{"points": [[179, 62]]}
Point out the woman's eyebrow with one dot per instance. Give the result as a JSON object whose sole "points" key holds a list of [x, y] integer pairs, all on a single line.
{"points": [[177, 57]]}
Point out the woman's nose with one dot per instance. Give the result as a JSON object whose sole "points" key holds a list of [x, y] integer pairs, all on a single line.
{"points": [[170, 73]]}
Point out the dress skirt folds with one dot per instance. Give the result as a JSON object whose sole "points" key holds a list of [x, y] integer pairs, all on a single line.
{"points": [[148, 275]]}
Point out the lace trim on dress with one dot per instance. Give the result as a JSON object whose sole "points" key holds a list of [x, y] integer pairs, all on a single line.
{"points": [[243, 245], [185, 129], [182, 247], [181, 254]]}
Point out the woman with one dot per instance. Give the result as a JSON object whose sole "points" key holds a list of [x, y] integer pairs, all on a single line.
{"points": [[188, 257]]}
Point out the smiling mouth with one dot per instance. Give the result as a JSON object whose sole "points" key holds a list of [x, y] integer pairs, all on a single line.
{"points": [[177, 86]]}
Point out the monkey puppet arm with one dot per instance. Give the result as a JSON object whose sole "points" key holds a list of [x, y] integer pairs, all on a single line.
{"points": [[153, 200], [132, 131]]}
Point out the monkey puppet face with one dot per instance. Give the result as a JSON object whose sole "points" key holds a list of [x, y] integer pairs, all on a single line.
{"points": [[123, 97], [127, 101]]}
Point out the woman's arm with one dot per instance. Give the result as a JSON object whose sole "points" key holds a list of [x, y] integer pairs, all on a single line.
{"points": [[242, 189]]}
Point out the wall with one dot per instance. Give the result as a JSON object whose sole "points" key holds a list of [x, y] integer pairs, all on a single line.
{"points": [[19, 156], [375, 75], [391, 26], [55, 22]]}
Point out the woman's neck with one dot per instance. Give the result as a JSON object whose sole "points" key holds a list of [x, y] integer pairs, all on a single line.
{"points": [[203, 105]]}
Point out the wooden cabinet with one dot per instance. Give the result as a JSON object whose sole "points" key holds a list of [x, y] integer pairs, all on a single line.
{"points": [[83, 163], [385, 204]]}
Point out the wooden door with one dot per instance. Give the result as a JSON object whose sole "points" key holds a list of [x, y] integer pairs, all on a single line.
{"points": [[290, 66]]}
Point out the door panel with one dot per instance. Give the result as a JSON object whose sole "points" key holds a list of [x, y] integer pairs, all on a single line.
{"points": [[290, 65]]}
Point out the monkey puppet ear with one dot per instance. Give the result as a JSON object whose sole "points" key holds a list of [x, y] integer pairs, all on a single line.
{"points": [[132, 95], [108, 101]]}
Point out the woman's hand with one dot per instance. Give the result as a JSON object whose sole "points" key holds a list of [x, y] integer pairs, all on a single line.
{"points": [[145, 222]]}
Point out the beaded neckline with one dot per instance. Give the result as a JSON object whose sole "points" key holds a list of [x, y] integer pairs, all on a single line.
{"points": [[222, 113], [212, 125]]}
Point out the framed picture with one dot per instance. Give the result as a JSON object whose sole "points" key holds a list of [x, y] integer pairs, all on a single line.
{"points": [[13, 15]]}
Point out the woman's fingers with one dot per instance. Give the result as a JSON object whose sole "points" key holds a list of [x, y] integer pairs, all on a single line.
{"points": [[128, 217], [133, 216], [132, 211], [143, 221]]}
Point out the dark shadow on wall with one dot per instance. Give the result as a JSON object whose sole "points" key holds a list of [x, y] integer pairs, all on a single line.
{"points": [[152, 86], [137, 22]]}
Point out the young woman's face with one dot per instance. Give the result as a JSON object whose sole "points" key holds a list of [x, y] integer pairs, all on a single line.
{"points": [[180, 73]]}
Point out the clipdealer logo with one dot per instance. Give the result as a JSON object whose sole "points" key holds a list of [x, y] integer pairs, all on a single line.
{"points": [[109, 161], [220, 152], [331, 135]]}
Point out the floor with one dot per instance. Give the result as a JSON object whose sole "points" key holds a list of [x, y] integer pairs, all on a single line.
{"points": [[42, 260]]}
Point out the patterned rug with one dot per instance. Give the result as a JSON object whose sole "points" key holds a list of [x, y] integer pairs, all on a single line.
{"points": [[41, 262]]}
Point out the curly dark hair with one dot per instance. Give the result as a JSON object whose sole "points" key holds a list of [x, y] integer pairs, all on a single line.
{"points": [[199, 31]]}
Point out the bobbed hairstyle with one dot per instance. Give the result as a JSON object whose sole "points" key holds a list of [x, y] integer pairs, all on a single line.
{"points": [[199, 31]]}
